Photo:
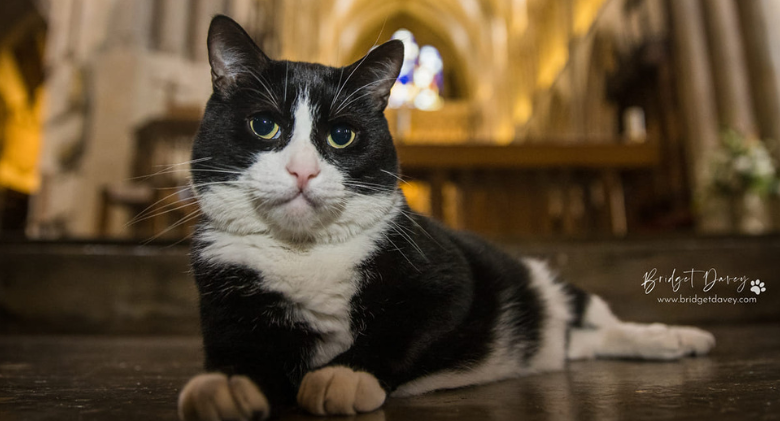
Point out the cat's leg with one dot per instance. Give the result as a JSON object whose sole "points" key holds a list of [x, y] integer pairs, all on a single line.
{"points": [[602, 335], [400, 321], [215, 396]]}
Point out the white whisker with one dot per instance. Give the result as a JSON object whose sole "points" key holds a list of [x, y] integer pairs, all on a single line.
{"points": [[345, 104], [187, 202], [191, 216], [395, 176]]}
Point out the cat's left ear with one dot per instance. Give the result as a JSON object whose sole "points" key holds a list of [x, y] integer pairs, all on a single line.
{"points": [[376, 73], [232, 53]]}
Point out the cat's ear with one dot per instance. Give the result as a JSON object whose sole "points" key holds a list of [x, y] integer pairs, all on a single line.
{"points": [[376, 73], [232, 52]]}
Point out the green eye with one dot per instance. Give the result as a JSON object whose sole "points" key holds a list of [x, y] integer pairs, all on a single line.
{"points": [[341, 136], [263, 127]]}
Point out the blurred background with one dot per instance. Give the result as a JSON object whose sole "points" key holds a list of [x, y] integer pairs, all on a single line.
{"points": [[514, 118], [646, 129]]}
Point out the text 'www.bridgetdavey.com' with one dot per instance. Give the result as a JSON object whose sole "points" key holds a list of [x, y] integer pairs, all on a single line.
{"points": [[682, 299]]}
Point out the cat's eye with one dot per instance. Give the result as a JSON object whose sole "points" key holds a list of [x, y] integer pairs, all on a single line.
{"points": [[341, 136], [264, 127]]}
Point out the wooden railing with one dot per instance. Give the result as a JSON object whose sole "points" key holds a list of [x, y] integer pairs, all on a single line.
{"points": [[529, 156], [515, 181]]}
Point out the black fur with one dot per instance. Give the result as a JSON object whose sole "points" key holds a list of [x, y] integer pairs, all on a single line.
{"points": [[415, 314], [429, 298], [578, 300]]}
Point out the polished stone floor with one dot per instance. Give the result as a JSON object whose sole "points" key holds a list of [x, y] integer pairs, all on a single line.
{"points": [[137, 378]]}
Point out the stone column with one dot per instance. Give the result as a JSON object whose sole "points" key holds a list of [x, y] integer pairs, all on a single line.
{"points": [[241, 12], [698, 102], [203, 11], [728, 62], [761, 31], [140, 22], [299, 37], [732, 87], [173, 26]]}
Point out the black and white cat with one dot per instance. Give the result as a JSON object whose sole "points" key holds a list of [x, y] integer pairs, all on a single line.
{"points": [[319, 286]]}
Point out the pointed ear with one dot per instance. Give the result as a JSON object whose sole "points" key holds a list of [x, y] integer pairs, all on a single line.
{"points": [[377, 71], [231, 52]]}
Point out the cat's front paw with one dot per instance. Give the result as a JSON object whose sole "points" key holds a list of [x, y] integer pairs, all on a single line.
{"points": [[340, 391], [214, 396]]}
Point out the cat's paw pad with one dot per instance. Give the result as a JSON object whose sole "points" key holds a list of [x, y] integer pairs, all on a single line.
{"points": [[340, 391], [214, 396]]}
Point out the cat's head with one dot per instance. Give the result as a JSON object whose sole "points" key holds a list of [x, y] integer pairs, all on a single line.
{"points": [[300, 151]]}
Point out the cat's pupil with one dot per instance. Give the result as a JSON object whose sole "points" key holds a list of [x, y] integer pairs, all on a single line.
{"points": [[263, 126], [341, 135]]}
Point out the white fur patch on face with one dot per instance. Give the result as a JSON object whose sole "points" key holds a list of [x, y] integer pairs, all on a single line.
{"points": [[290, 212]]}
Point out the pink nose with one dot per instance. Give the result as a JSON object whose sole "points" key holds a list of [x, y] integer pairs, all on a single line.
{"points": [[303, 173]]}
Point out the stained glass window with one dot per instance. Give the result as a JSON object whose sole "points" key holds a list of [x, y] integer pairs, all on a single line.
{"points": [[421, 79]]}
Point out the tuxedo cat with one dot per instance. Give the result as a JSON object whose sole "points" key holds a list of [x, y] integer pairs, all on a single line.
{"points": [[320, 287]]}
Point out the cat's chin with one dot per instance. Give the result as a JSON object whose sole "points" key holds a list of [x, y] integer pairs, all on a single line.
{"points": [[300, 218], [299, 206]]}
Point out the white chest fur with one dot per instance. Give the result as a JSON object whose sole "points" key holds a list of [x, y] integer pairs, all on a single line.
{"points": [[319, 281]]}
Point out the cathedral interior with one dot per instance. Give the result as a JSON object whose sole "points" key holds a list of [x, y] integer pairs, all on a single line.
{"points": [[616, 139]]}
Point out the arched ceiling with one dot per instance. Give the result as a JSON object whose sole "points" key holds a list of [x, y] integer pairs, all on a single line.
{"points": [[457, 28], [472, 35]]}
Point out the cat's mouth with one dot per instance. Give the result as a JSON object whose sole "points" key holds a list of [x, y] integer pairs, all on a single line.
{"points": [[302, 199], [299, 200]]}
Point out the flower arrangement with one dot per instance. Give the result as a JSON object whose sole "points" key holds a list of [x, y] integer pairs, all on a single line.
{"points": [[744, 165]]}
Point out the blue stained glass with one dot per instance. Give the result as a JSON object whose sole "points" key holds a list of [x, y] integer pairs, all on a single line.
{"points": [[421, 78]]}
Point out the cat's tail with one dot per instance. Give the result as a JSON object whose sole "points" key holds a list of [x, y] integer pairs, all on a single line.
{"points": [[595, 332]]}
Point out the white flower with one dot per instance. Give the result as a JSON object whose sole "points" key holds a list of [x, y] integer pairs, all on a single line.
{"points": [[742, 164], [764, 169], [763, 166]]}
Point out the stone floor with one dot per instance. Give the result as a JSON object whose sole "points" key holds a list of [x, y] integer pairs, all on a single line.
{"points": [[137, 378]]}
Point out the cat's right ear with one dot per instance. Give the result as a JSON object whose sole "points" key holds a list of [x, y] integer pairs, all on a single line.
{"points": [[376, 73], [231, 53]]}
